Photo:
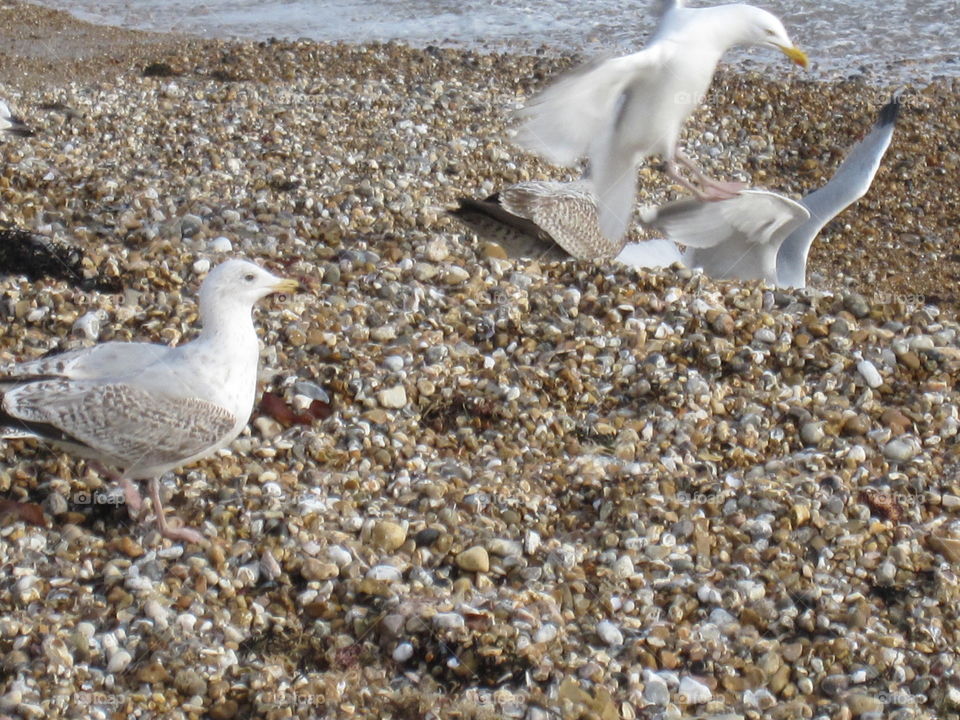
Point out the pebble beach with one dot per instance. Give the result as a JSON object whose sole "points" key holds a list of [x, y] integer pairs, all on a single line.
{"points": [[479, 487]]}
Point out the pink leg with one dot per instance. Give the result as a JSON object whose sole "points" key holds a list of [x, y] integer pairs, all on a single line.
{"points": [[674, 172], [132, 497], [174, 533], [712, 190], [131, 494]]}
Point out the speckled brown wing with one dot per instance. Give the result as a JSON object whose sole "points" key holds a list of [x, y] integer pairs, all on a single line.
{"points": [[518, 236], [119, 424], [566, 212]]}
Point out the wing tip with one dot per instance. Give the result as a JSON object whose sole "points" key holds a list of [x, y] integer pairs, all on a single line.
{"points": [[19, 131], [891, 111]]}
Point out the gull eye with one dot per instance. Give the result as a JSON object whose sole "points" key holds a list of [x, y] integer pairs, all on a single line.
{"points": [[249, 277]]}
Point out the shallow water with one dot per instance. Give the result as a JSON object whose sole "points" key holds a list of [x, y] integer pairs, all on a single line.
{"points": [[904, 40]]}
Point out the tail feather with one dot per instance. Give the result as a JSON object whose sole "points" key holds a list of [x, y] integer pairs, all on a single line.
{"points": [[19, 131]]}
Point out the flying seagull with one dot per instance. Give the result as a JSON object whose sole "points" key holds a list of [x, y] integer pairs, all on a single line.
{"points": [[619, 111]]}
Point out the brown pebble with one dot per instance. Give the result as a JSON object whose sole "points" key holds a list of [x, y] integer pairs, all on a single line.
{"points": [[126, 545], [389, 535], [474, 559], [910, 359], [895, 420], [224, 710], [669, 660], [855, 426], [948, 547], [313, 569], [153, 673]]}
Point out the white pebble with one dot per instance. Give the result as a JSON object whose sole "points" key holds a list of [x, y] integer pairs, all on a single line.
{"points": [[221, 245], [609, 633], [694, 691], [546, 634], [899, 450], [531, 542], [339, 555], [393, 363], [119, 661], [655, 690], [187, 621], [88, 324], [870, 373], [386, 573], [449, 621], [403, 652], [156, 612]]}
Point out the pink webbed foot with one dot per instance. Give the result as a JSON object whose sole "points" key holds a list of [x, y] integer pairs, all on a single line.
{"points": [[184, 534]]}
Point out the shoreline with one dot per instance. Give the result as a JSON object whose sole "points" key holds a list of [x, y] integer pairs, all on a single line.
{"points": [[51, 36], [877, 70]]}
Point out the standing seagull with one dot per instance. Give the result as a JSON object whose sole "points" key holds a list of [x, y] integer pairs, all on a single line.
{"points": [[10, 124], [144, 409], [619, 111], [764, 235]]}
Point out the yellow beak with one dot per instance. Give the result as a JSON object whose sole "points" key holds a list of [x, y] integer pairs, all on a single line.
{"points": [[795, 54], [286, 285]]}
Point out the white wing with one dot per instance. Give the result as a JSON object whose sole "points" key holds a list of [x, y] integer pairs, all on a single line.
{"points": [[850, 183], [854, 176], [107, 360], [736, 238], [658, 252], [563, 120], [755, 216]]}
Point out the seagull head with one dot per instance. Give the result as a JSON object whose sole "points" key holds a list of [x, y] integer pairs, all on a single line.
{"points": [[240, 282], [765, 29]]}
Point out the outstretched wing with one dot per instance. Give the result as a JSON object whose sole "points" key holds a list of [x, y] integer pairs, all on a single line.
{"points": [[752, 217], [735, 238], [562, 121], [854, 176], [850, 183]]}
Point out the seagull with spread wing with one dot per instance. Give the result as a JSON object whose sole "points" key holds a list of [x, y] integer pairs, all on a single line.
{"points": [[764, 235], [619, 111]]}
